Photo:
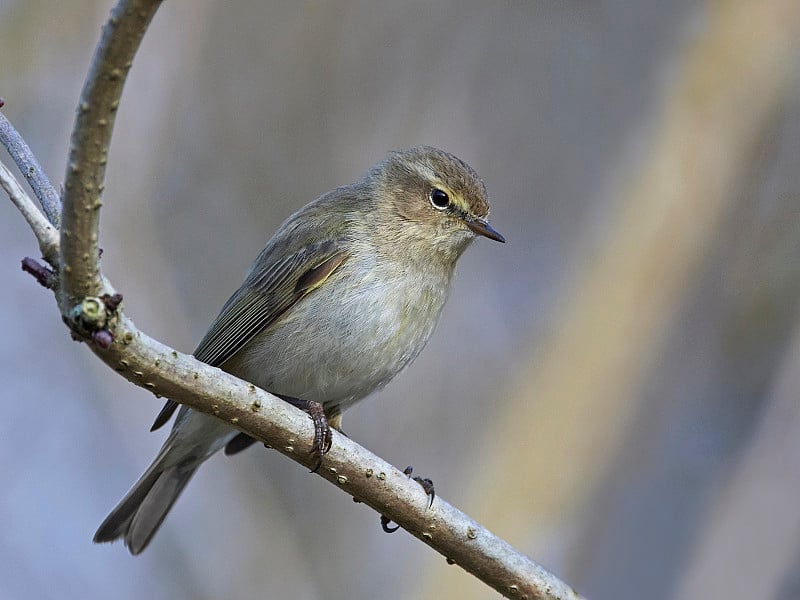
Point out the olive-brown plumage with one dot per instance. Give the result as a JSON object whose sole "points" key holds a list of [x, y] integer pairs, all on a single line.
{"points": [[342, 298]]}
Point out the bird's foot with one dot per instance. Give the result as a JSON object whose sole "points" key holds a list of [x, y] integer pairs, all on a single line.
{"points": [[323, 439], [430, 492], [426, 483]]}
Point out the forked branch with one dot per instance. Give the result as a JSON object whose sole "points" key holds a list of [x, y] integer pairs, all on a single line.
{"points": [[94, 313]]}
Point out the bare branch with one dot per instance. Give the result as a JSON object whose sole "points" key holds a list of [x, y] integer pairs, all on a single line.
{"points": [[45, 233], [368, 478], [31, 169], [91, 136], [95, 315]]}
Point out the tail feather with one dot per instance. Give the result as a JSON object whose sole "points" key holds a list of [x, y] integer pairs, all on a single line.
{"points": [[136, 519], [140, 513]]}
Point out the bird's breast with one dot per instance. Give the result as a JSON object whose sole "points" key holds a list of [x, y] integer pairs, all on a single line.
{"points": [[350, 336]]}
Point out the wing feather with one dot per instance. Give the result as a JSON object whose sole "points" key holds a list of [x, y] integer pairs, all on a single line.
{"points": [[263, 298]]}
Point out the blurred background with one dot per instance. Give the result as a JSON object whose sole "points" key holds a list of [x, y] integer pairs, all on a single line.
{"points": [[614, 391]]}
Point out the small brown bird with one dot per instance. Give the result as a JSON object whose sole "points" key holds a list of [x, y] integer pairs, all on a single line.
{"points": [[342, 298]]}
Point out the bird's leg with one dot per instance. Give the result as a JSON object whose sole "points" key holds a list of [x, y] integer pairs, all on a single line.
{"points": [[322, 431], [427, 485]]}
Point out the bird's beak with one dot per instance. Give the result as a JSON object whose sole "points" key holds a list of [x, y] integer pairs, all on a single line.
{"points": [[482, 227]]}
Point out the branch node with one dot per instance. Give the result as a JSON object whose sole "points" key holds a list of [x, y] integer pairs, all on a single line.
{"points": [[111, 301], [45, 276], [90, 314], [93, 318], [103, 339]]}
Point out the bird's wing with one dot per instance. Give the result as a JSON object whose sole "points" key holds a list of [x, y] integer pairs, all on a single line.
{"points": [[264, 296]]}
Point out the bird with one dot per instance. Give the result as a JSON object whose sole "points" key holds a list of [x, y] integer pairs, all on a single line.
{"points": [[342, 298]]}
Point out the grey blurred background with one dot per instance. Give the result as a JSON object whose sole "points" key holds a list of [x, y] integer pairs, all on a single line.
{"points": [[614, 391]]}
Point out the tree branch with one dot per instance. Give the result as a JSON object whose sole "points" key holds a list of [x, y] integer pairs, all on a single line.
{"points": [[88, 155], [87, 305], [368, 478], [28, 165], [45, 233]]}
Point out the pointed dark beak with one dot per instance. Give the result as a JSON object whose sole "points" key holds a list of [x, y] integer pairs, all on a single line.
{"points": [[482, 227]]}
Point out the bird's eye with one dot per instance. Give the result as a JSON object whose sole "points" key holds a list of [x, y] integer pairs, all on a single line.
{"points": [[439, 199]]}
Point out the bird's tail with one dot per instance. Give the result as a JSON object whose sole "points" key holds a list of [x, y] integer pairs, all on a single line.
{"points": [[140, 513]]}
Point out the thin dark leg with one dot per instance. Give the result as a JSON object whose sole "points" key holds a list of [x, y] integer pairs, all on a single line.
{"points": [[322, 431], [426, 484]]}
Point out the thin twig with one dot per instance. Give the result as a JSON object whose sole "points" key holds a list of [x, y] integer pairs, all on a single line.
{"points": [[30, 168], [44, 276], [91, 136], [45, 233]]}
